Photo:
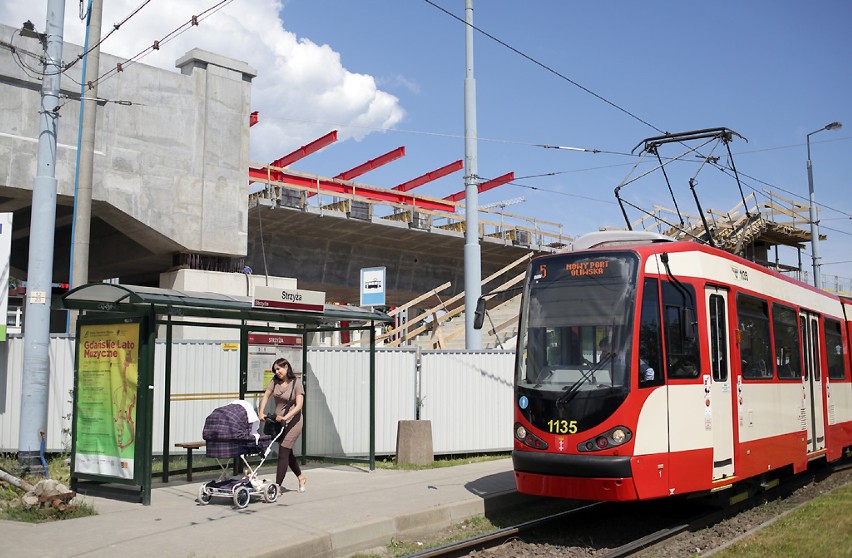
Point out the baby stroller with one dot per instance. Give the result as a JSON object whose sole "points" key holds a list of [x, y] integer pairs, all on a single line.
{"points": [[231, 431]]}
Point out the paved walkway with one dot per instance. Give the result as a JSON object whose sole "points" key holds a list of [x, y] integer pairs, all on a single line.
{"points": [[344, 509]]}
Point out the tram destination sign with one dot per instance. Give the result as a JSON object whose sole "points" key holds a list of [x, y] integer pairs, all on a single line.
{"points": [[288, 299]]}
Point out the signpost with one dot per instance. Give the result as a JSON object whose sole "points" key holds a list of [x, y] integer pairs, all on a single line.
{"points": [[373, 286]]}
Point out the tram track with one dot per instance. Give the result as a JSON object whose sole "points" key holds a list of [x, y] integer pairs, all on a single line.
{"points": [[498, 537], [653, 532]]}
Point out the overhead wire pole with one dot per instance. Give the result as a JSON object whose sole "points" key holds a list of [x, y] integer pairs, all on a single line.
{"points": [[817, 261], [472, 263], [81, 226], [34, 388]]}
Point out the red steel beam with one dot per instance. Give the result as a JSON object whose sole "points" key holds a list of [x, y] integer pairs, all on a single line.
{"points": [[306, 150], [484, 187], [291, 158], [332, 187], [253, 118], [430, 176], [369, 165], [372, 164]]}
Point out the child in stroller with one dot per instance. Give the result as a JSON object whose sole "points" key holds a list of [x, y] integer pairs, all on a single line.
{"points": [[232, 431]]}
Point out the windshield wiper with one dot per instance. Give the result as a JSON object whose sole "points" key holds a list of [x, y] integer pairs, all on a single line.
{"points": [[571, 391], [541, 380]]}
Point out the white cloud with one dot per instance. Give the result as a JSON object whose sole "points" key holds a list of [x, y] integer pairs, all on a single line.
{"points": [[302, 90], [400, 81]]}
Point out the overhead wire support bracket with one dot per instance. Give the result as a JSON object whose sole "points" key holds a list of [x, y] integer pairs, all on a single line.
{"points": [[736, 175], [651, 145], [627, 180], [668, 183], [725, 134]]}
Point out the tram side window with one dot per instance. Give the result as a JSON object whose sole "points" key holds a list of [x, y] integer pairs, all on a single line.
{"points": [[834, 350], [650, 344], [682, 353], [787, 350], [753, 314]]}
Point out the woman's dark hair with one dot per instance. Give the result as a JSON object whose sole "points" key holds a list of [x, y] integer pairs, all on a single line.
{"points": [[281, 362]]}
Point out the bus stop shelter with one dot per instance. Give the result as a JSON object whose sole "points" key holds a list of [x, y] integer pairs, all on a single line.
{"points": [[114, 391]]}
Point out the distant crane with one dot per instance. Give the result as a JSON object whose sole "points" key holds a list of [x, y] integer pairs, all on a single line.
{"points": [[503, 204]]}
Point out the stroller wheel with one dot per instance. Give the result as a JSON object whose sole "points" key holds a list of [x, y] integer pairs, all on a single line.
{"points": [[203, 495], [241, 497], [270, 493]]}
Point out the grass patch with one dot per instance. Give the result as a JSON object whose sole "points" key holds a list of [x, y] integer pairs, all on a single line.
{"points": [[10, 504], [822, 528]]}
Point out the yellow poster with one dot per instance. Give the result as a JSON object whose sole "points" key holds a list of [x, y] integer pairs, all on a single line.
{"points": [[106, 399]]}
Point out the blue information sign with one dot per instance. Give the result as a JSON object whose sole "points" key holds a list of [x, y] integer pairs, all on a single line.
{"points": [[373, 286]]}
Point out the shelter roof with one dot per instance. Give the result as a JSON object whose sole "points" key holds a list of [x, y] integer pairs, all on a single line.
{"points": [[109, 297]]}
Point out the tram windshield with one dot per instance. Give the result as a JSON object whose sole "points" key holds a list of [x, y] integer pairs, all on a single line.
{"points": [[576, 331]]}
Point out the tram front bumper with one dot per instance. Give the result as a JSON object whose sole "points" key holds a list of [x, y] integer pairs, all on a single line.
{"points": [[581, 477]]}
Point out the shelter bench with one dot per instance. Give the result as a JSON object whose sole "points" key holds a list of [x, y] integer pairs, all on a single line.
{"points": [[189, 446]]}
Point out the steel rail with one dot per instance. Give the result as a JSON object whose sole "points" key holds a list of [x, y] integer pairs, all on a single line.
{"points": [[699, 521]]}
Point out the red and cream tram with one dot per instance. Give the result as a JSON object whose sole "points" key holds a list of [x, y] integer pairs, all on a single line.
{"points": [[649, 368]]}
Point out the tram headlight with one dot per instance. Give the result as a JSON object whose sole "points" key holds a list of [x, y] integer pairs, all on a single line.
{"points": [[528, 438], [612, 438]]}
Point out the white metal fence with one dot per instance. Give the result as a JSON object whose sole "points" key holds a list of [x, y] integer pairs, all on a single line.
{"points": [[466, 395]]}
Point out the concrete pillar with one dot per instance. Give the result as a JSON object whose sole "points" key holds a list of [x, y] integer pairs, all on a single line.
{"points": [[414, 442]]}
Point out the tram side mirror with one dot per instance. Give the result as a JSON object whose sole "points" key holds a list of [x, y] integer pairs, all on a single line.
{"points": [[479, 314], [690, 324]]}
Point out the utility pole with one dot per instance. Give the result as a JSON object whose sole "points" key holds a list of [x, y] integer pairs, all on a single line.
{"points": [[80, 229], [34, 390], [813, 211], [472, 261]]}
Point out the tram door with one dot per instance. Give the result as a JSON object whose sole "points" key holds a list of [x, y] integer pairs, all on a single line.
{"points": [[718, 410], [813, 419]]}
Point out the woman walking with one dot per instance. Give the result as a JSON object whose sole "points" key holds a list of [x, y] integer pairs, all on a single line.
{"points": [[289, 396]]}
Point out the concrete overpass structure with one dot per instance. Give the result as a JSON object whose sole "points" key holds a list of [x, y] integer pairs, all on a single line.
{"points": [[170, 190], [169, 169]]}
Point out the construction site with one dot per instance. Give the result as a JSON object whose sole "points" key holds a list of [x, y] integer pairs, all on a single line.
{"points": [[166, 204]]}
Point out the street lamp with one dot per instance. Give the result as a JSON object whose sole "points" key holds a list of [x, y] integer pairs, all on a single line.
{"points": [[814, 223]]}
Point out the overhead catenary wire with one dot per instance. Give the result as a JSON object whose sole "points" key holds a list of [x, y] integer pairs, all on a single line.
{"points": [[575, 83], [338, 125], [115, 27], [185, 26], [561, 172], [545, 66], [33, 72], [191, 22]]}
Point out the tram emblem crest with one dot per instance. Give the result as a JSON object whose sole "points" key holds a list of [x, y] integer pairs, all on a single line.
{"points": [[739, 274]]}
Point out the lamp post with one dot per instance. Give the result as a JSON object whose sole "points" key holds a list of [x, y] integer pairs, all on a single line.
{"points": [[813, 214]]}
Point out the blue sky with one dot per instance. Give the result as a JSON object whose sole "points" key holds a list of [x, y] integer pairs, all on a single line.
{"points": [[388, 73]]}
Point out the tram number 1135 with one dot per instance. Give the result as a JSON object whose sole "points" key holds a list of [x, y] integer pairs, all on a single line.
{"points": [[562, 426]]}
